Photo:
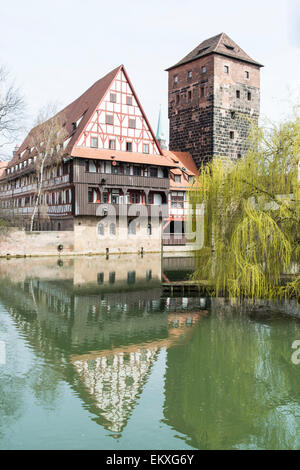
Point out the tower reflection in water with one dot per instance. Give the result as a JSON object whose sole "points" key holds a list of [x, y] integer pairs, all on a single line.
{"points": [[101, 322]]}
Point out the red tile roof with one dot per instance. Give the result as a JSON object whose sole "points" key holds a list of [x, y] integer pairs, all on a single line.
{"points": [[83, 107], [129, 157], [185, 167], [182, 160]]}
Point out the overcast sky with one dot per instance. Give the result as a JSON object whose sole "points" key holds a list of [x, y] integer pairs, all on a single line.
{"points": [[56, 49]]}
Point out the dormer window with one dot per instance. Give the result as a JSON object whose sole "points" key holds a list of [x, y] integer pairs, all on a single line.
{"points": [[202, 50], [230, 48], [177, 178]]}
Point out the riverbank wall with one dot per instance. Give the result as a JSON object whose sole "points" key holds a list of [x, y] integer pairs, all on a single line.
{"points": [[84, 241]]}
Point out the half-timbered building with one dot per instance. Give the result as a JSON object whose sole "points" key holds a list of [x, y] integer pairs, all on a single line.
{"points": [[112, 165], [181, 180]]}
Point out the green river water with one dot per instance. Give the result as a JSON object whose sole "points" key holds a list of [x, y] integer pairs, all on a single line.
{"points": [[93, 355]]}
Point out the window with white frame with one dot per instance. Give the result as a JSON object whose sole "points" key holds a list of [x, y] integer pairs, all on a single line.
{"points": [[109, 119], [94, 142], [145, 148], [177, 199], [112, 144]]}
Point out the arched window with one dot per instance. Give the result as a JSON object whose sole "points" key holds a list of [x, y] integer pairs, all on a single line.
{"points": [[132, 227], [100, 229], [112, 229]]}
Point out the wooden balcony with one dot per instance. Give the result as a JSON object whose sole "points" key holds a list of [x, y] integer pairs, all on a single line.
{"points": [[109, 180], [121, 210], [57, 181], [174, 239]]}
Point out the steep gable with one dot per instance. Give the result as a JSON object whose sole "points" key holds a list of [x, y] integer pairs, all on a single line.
{"points": [[85, 118], [119, 122], [74, 117]]}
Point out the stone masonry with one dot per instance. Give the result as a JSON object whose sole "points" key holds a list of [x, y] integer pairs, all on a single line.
{"points": [[213, 100]]}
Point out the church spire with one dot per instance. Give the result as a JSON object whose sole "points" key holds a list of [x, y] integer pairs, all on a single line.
{"points": [[159, 133]]}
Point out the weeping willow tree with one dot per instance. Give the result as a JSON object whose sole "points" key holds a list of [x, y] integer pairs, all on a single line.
{"points": [[252, 217]]}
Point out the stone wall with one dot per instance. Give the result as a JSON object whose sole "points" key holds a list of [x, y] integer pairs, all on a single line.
{"points": [[191, 109], [19, 242], [232, 115], [85, 239], [88, 239], [207, 118]]}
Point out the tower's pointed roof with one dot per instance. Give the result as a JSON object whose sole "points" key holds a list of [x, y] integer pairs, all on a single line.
{"points": [[220, 44]]}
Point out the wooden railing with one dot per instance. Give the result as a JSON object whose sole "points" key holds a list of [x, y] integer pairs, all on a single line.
{"points": [[176, 239]]}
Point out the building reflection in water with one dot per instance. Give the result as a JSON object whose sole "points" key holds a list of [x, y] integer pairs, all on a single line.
{"points": [[102, 322], [228, 379]]}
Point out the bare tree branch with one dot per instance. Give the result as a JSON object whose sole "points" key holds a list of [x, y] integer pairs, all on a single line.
{"points": [[11, 109], [47, 147]]}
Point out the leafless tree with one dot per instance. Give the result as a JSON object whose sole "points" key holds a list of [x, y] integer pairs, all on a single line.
{"points": [[11, 110], [46, 141]]}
